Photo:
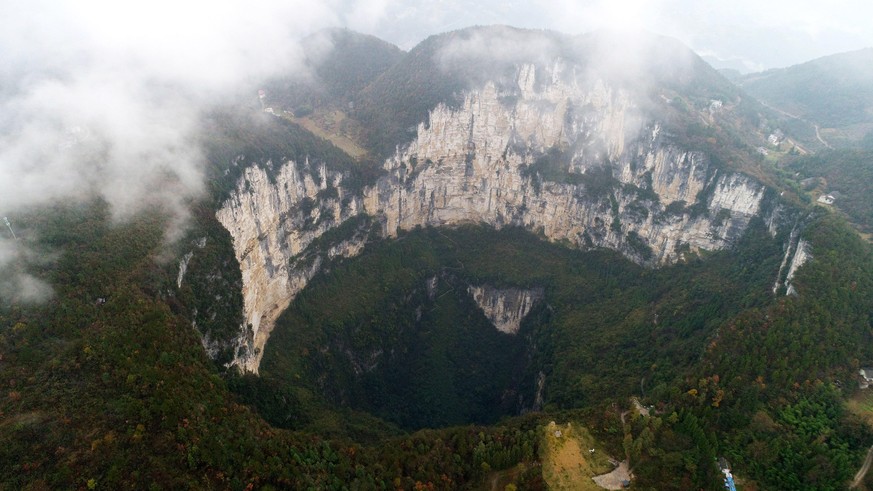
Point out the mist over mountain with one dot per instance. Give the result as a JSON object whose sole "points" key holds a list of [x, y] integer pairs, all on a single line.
{"points": [[342, 265], [442, 67], [341, 64], [834, 91]]}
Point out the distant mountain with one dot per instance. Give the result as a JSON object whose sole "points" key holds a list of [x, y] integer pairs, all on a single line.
{"points": [[441, 68], [341, 63], [731, 74], [834, 91]]}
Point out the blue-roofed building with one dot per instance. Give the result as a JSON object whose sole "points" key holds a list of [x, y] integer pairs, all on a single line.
{"points": [[729, 481]]}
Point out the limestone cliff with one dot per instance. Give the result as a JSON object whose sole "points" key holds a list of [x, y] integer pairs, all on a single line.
{"points": [[479, 163], [570, 158], [801, 256], [506, 307], [272, 219]]}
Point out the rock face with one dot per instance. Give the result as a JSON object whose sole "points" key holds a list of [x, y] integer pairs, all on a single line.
{"points": [[800, 258], [183, 268], [476, 164], [507, 307], [563, 156], [272, 221]]}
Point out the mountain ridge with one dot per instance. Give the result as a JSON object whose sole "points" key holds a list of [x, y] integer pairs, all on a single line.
{"points": [[833, 91], [521, 150], [648, 219]]}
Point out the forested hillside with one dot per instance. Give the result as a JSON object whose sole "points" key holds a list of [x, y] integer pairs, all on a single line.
{"points": [[108, 387], [385, 371], [834, 92], [847, 175], [760, 376]]}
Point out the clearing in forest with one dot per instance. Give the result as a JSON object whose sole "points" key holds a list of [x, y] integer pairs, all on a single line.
{"points": [[567, 460], [334, 126], [862, 405]]}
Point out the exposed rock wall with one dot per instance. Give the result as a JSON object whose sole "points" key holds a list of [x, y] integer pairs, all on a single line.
{"points": [[802, 255], [472, 165], [478, 164], [273, 220], [507, 307]]}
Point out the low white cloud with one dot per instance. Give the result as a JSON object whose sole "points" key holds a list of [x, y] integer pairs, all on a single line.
{"points": [[102, 98], [17, 285], [496, 45]]}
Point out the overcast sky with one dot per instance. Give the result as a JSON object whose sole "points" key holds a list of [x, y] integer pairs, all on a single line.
{"points": [[750, 35]]}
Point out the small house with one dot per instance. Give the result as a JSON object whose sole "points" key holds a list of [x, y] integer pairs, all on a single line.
{"points": [[866, 377]]}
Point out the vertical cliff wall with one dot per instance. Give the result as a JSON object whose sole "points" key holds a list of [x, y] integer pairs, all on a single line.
{"points": [[619, 174], [801, 256], [505, 307], [571, 159], [273, 217]]}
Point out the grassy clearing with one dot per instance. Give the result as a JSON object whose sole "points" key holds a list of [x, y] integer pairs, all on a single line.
{"points": [[567, 460], [329, 125], [861, 404]]}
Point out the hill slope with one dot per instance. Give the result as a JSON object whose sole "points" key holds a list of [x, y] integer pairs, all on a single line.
{"points": [[340, 64], [443, 67], [653, 267], [834, 91]]}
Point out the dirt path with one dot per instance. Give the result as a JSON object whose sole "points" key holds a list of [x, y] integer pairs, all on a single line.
{"points": [[794, 116], [818, 135], [864, 468], [614, 479]]}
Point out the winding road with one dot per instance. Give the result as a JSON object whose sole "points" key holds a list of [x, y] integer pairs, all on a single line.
{"points": [[818, 135], [794, 116]]}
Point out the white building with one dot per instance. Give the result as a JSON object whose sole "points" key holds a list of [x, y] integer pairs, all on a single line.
{"points": [[866, 377]]}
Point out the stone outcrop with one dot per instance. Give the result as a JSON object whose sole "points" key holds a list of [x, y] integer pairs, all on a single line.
{"points": [[272, 220], [506, 307], [801, 256], [621, 183], [474, 164]]}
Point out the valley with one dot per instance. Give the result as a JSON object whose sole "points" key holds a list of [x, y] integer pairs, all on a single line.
{"points": [[525, 268]]}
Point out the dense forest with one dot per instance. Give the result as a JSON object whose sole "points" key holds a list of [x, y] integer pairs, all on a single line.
{"points": [[731, 369], [847, 175], [834, 91], [108, 387], [384, 373]]}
